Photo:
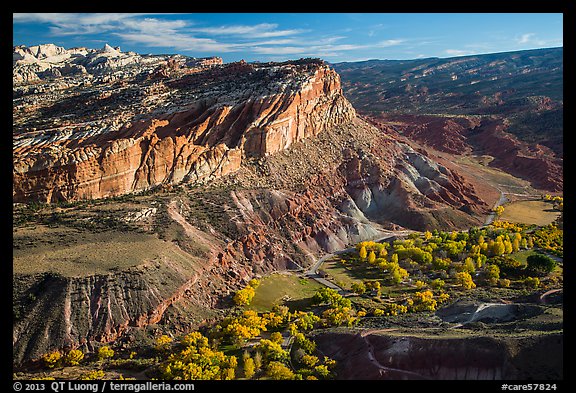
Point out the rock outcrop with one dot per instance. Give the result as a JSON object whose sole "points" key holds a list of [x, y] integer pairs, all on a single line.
{"points": [[292, 174], [361, 355], [202, 127]]}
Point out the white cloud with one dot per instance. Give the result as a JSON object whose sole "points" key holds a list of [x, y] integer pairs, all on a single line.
{"points": [[280, 50], [458, 52], [185, 35], [532, 40], [525, 38], [387, 43], [262, 30]]}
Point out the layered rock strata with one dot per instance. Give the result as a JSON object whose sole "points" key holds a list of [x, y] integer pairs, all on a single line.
{"points": [[202, 126]]}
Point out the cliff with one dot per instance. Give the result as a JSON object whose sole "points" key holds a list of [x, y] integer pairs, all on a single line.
{"points": [[204, 125], [274, 166]]}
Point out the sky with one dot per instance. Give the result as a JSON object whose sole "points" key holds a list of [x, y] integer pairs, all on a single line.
{"points": [[334, 37]]}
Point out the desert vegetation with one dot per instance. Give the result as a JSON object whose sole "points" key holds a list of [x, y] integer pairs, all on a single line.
{"points": [[401, 276]]}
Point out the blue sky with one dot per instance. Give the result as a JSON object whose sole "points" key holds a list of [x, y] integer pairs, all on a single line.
{"points": [[335, 37]]}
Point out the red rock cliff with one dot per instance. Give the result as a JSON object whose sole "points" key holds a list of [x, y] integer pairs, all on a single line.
{"points": [[203, 127]]}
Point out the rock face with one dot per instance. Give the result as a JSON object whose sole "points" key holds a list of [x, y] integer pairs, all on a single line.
{"points": [[196, 132], [467, 135], [378, 356], [507, 105], [292, 174]]}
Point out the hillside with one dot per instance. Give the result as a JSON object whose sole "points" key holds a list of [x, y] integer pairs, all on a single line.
{"points": [[451, 104], [223, 171]]}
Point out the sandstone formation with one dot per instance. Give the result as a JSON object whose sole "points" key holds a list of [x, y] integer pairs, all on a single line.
{"points": [[507, 105], [470, 135], [365, 356], [202, 127], [261, 167]]}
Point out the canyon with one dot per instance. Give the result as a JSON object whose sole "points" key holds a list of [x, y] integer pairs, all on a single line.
{"points": [[147, 189]]}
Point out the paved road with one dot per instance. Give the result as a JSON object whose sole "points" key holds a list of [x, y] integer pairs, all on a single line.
{"points": [[502, 200]]}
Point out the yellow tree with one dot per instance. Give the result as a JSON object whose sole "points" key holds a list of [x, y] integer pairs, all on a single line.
{"points": [[498, 248], [277, 370], [371, 257], [515, 245], [362, 253], [499, 210], [244, 296], [249, 368], [465, 279]]}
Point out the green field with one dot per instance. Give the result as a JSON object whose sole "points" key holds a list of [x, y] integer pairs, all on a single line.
{"points": [[530, 212], [521, 256], [275, 288], [345, 277]]}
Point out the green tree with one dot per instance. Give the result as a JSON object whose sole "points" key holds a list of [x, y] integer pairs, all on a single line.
{"points": [[359, 288], [469, 265], [539, 264], [306, 344], [330, 296], [437, 283], [492, 272], [272, 350]]}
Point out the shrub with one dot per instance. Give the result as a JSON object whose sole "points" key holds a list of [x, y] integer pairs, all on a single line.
{"points": [[465, 279], [93, 375], [532, 282], [437, 283], [74, 357], [358, 288], [419, 284], [52, 359], [276, 337], [508, 266], [162, 343], [105, 352]]}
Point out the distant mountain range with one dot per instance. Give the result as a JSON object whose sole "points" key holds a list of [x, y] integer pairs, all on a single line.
{"points": [[525, 87]]}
